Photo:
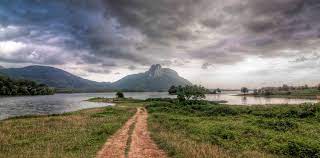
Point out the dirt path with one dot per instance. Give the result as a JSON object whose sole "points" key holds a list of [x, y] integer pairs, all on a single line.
{"points": [[142, 145], [138, 143], [116, 145]]}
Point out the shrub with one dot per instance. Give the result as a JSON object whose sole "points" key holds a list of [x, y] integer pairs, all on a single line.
{"points": [[119, 94], [218, 134], [276, 124], [172, 90], [299, 148]]}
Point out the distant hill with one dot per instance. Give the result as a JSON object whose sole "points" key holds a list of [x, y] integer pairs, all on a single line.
{"points": [[54, 77], [155, 79]]}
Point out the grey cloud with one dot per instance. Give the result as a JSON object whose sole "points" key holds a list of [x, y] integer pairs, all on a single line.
{"points": [[97, 70], [157, 19], [144, 32], [132, 67], [212, 23], [311, 58], [206, 65]]}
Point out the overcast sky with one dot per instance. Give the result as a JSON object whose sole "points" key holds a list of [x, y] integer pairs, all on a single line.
{"points": [[216, 43]]}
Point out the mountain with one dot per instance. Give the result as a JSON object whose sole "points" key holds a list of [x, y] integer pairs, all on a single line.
{"points": [[155, 79], [1, 67], [54, 77]]}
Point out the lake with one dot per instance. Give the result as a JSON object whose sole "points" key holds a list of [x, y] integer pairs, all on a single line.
{"points": [[60, 103]]}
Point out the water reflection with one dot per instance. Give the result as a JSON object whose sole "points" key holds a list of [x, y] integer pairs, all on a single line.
{"points": [[232, 99], [244, 100]]}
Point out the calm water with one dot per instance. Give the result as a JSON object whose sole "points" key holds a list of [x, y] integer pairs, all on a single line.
{"points": [[59, 103]]}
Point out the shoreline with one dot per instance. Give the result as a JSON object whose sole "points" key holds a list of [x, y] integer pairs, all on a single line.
{"points": [[309, 97]]}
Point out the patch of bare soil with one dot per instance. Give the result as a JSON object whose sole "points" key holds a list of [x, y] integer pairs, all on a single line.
{"points": [[116, 145], [142, 146]]}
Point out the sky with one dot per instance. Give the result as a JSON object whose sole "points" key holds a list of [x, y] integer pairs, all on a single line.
{"points": [[215, 43]]}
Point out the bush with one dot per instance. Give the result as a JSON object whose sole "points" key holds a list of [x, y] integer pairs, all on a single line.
{"points": [[171, 100], [172, 90], [297, 148], [119, 94], [278, 125], [219, 133]]}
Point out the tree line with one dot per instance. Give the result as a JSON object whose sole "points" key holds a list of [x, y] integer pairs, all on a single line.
{"points": [[10, 87]]}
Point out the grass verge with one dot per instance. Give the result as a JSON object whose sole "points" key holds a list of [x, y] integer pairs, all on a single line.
{"points": [[75, 134], [207, 130]]}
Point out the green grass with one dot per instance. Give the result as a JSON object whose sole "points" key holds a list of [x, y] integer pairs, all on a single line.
{"points": [[309, 93], [208, 130], [76, 134], [202, 129]]}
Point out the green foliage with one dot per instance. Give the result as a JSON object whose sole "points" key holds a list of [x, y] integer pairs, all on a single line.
{"points": [[193, 92], [302, 149], [277, 124], [279, 131], [9, 87], [119, 94], [172, 90], [244, 90]]}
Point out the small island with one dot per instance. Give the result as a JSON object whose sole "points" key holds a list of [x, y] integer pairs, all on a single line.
{"points": [[284, 91]]}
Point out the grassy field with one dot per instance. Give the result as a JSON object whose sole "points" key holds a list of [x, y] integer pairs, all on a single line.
{"points": [[76, 134], [201, 129], [207, 130]]}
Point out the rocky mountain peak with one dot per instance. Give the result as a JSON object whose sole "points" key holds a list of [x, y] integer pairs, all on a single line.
{"points": [[154, 71]]}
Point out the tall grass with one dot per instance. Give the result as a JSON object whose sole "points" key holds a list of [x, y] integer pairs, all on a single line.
{"points": [[236, 131], [76, 134]]}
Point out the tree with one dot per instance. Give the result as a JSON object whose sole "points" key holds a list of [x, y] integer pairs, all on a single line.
{"points": [[193, 92], [214, 91], [244, 90], [119, 94], [218, 90], [318, 87], [285, 87], [172, 90], [255, 92], [23, 87]]}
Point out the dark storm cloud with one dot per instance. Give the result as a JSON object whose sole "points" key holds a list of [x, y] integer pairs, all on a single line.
{"points": [[254, 27], [143, 32], [266, 29], [157, 19], [212, 23]]}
